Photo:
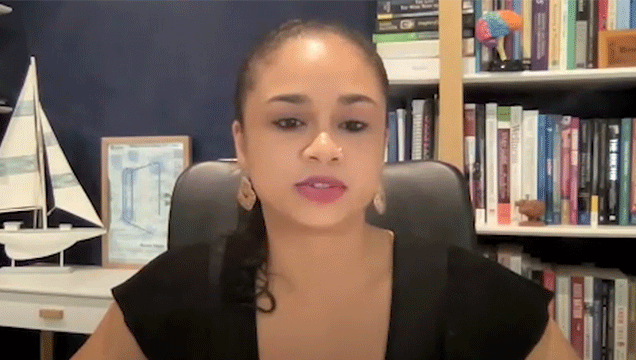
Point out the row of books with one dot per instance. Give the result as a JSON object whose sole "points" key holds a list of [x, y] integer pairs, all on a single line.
{"points": [[558, 34], [595, 308], [407, 38], [584, 170], [411, 131]]}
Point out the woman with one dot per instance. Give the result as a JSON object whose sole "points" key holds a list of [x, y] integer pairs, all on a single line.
{"points": [[304, 276]]}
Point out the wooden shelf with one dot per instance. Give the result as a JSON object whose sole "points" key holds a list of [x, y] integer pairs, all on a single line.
{"points": [[616, 78], [601, 231]]}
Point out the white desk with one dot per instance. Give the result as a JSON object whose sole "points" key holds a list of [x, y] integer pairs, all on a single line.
{"points": [[73, 302]]}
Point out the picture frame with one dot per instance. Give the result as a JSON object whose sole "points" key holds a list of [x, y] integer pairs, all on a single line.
{"points": [[138, 174]]}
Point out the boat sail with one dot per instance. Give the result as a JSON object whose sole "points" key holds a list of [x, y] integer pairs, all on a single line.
{"points": [[28, 152]]}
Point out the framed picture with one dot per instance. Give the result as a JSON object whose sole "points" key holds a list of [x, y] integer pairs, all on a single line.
{"points": [[138, 177]]}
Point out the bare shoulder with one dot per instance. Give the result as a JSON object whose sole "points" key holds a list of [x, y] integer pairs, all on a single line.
{"points": [[111, 340], [553, 345]]}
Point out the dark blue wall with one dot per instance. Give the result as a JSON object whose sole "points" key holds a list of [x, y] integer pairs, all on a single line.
{"points": [[120, 68]]}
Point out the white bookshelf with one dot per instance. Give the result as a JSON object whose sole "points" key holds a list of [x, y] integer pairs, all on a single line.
{"points": [[579, 231], [616, 78]]}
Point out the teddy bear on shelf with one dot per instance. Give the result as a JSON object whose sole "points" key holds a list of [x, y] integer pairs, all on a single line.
{"points": [[533, 210]]}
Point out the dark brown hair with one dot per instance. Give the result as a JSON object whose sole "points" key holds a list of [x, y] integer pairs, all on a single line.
{"points": [[246, 247]]}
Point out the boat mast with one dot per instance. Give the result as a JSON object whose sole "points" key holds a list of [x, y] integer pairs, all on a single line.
{"points": [[40, 142]]}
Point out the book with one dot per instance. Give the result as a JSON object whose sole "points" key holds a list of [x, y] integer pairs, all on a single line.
{"points": [[516, 158], [540, 34], [480, 163], [530, 152], [503, 165], [633, 175], [585, 171], [625, 171], [576, 322], [566, 153], [613, 173], [574, 171], [492, 198]]}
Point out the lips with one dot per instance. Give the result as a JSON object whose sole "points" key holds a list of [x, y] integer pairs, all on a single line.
{"points": [[321, 189]]}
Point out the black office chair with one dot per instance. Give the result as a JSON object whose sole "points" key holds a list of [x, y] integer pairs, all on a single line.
{"points": [[425, 200]]}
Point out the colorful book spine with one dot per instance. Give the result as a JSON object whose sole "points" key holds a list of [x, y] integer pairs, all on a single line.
{"points": [[549, 170], [613, 175], [530, 152], [564, 304], [574, 171], [556, 170], [518, 35], [602, 170], [417, 111], [585, 171], [527, 33], [540, 34], [633, 185], [602, 15], [580, 48], [588, 316], [563, 46], [516, 158], [480, 164], [392, 144], [597, 330], [427, 129], [541, 158], [469, 148], [632, 25], [625, 171], [576, 328], [620, 318], [631, 321], [503, 162], [554, 33], [592, 34], [622, 14], [401, 134], [571, 44], [566, 153], [478, 46]]}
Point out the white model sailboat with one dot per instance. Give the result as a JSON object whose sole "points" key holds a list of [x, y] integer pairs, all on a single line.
{"points": [[28, 153]]}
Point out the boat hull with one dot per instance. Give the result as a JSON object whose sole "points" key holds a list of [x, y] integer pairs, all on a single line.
{"points": [[25, 244]]}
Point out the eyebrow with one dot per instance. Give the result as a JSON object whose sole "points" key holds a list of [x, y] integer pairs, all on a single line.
{"points": [[346, 99]]}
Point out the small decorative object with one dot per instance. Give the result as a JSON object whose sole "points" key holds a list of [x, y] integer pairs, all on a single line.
{"points": [[138, 176], [491, 29], [533, 210], [36, 176], [617, 48]]}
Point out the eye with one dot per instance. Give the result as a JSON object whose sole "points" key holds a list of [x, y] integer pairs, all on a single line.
{"points": [[288, 124], [353, 125]]}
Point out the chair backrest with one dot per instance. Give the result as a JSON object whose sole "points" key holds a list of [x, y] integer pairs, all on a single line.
{"points": [[425, 199]]}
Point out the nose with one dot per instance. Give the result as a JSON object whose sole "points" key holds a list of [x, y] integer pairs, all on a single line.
{"points": [[323, 149]]}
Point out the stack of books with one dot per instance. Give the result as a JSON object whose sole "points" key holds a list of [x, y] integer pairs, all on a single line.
{"points": [[407, 38]]}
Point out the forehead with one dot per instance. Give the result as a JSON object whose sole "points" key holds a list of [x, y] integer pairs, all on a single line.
{"points": [[316, 64]]}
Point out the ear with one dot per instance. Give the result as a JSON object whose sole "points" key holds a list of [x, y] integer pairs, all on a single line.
{"points": [[238, 134]]}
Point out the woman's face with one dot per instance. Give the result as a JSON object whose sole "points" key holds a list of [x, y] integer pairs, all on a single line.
{"points": [[316, 109]]}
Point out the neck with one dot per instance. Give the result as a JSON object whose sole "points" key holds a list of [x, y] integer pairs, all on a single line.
{"points": [[305, 259]]}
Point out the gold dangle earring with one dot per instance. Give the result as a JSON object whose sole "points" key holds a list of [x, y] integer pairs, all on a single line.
{"points": [[379, 201], [246, 195]]}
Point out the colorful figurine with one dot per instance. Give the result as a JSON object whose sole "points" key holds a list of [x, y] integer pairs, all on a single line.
{"points": [[533, 209], [491, 29]]}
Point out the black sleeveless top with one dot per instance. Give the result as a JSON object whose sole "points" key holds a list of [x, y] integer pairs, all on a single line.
{"points": [[447, 303]]}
